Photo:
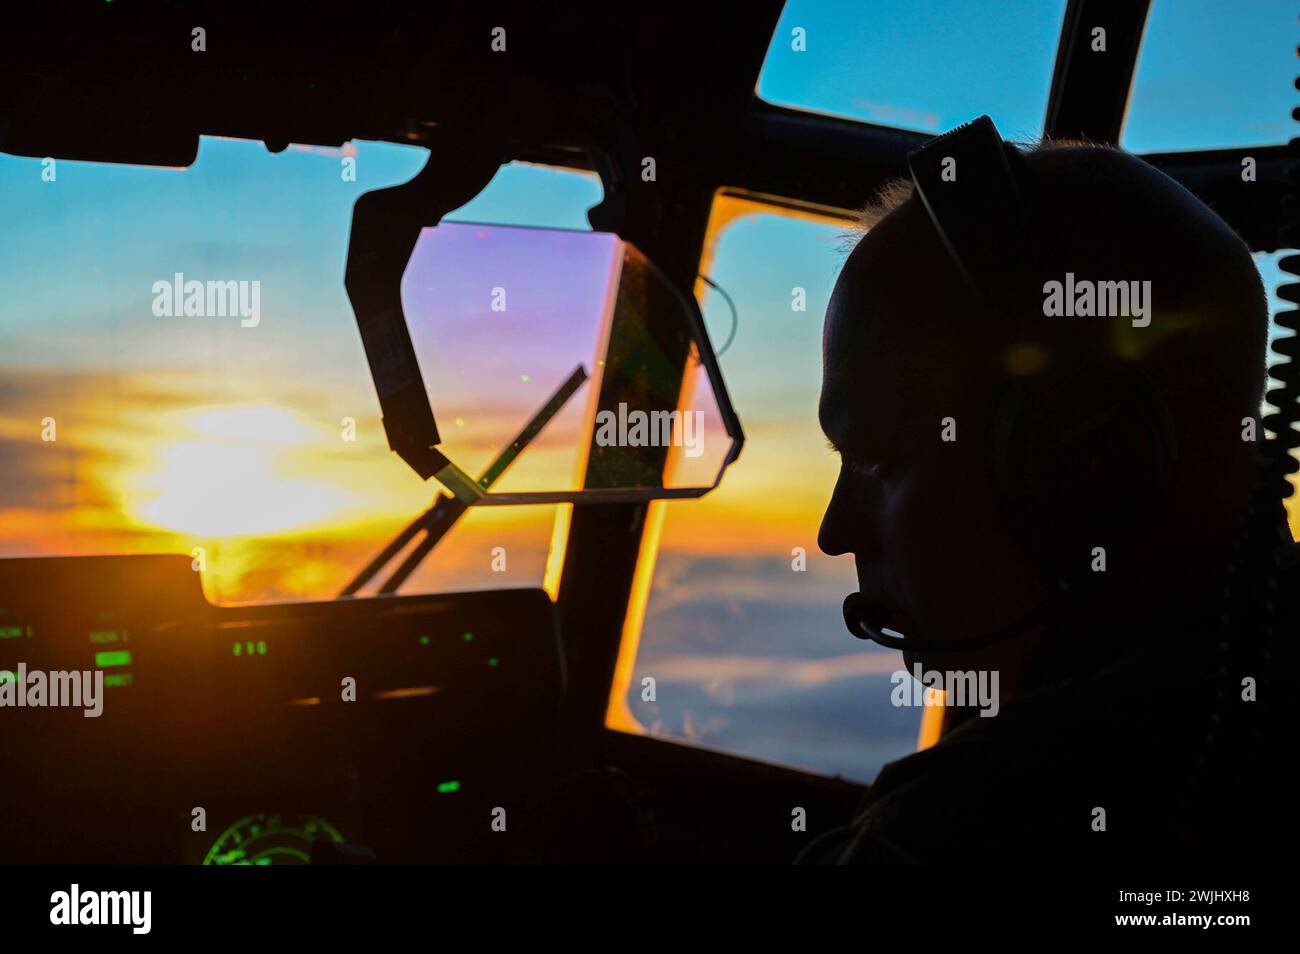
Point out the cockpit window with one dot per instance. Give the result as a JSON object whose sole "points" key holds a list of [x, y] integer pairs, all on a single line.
{"points": [[182, 371], [1213, 76], [892, 66], [735, 616]]}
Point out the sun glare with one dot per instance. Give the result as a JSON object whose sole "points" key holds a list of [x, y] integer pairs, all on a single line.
{"points": [[232, 471]]}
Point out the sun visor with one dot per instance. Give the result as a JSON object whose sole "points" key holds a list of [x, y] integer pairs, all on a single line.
{"points": [[535, 365]]}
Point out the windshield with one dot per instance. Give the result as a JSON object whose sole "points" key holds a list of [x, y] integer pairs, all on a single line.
{"points": [[182, 372]]}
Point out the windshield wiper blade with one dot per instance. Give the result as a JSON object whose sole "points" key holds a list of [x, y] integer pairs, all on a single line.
{"points": [[438, 520]]}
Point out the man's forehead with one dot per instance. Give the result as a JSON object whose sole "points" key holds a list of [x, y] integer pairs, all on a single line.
{"points": [[892, 296], [866, 396], [887, 347]]}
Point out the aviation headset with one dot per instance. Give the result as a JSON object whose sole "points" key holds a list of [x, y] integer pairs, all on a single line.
{"points": [[1055, 430]]}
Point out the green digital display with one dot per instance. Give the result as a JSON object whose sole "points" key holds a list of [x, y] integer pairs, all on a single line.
{"points": [[446, 788], [270, 839], [113, 657]]}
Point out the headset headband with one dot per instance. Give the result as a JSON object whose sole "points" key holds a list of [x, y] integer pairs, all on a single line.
{"points": [[968, 180]]}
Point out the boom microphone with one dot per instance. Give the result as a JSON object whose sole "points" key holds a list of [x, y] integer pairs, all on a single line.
{"points": [[865, 620]]}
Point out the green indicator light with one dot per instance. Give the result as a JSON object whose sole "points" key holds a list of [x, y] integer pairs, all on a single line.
{"points": [[493, 661], [119, 679], [446, 788], [103, 635], [248, 647], [261, 648], [7, 675], [468, 637], [10, 632], [119, 657], [236, 649], [424, 640]]}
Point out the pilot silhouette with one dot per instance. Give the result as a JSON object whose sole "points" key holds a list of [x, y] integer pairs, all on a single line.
{"points": [[1052, 495]]}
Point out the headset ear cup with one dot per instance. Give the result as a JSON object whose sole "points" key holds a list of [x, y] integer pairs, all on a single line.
{"points": [[1081, 461]]}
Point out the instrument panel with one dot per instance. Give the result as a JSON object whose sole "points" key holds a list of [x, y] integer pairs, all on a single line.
{"points": [[385, 728]]}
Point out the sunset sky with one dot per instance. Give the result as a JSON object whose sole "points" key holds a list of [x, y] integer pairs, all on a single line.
{"points": [[181, 433]]}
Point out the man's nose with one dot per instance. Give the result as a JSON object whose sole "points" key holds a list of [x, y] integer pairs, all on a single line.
{"points": [[845, 525]]}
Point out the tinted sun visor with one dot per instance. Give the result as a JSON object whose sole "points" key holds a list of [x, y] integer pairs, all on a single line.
{"points": [[557, 366]]}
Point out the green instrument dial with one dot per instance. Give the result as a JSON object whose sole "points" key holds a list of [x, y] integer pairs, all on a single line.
{"points": [[270, 840]]}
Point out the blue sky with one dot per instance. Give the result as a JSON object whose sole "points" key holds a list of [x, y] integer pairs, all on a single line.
{"points": [[927, 66], [1211, 73]]}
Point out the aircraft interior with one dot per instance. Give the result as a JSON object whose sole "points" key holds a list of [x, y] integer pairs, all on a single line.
{"points": [[410, 416]]}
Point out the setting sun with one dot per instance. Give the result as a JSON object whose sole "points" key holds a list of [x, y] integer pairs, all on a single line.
{"points": [[230, 471]]}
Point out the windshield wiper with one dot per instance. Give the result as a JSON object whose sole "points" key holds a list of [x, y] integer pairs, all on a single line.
{"points": [[438, 520]]}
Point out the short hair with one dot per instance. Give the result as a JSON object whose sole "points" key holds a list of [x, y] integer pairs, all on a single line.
{"points": [[894, 192], [886, 199]]}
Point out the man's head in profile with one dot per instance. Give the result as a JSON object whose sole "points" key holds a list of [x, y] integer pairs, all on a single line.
{"points": [[916, 373], [1042, 485]]}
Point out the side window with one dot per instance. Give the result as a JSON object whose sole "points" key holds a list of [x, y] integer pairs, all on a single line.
{"points": [[734, 637], [1207, 79]]}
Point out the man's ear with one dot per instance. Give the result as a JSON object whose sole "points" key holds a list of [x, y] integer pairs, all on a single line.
{"points": [[1082, 459]]}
